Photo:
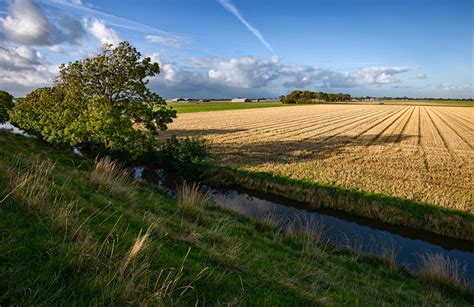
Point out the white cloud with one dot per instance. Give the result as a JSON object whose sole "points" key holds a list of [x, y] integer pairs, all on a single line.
{"points": [[446, 87], [27, 25], [301, 76], [251, 76], [244, 72], [233, 9], [56, 49], [23, 69], [168, 40], [421, 77], [376, 75], [101, 32]]}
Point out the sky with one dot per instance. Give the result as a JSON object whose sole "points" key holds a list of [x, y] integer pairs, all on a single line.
{"points": [[252, 48]]}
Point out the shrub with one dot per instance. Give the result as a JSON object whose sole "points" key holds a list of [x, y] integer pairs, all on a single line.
{"points": [[186, 156], [6, 104]]}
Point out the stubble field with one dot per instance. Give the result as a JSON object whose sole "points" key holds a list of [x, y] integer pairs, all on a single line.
{"points": [[422, 153]]}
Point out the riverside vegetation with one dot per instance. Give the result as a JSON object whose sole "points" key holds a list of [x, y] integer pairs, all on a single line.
{"points": [[80, 231]]}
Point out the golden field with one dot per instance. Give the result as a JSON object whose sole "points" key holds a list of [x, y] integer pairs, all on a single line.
{"points": [[422, 153]]}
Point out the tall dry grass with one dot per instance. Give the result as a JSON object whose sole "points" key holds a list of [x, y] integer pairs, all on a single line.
{"points": [[192, 200], [110, 175], [31, 184], [268, 221], [122, 277], [309, 231], [440, 269]]}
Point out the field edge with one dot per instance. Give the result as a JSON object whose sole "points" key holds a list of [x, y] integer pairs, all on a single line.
{"points": [[389, 209]]}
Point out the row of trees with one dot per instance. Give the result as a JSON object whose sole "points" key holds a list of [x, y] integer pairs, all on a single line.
{"points": [[313, 97], [102, 102]]}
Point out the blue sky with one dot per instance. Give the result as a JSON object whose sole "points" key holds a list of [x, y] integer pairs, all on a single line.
{"points": [[226, 48]]}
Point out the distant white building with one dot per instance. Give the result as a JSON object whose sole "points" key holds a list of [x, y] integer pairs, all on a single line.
{"points": [[240, 99]]}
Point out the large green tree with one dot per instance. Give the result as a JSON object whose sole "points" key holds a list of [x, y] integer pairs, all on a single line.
{"points": [[6, 104], [103, 101]]}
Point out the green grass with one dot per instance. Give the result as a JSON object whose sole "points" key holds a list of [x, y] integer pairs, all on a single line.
{"points": [[75, 247], [220, 106], [190, 107]]}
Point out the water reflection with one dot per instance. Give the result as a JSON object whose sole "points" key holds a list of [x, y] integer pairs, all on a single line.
{"points": [[404, 246]]}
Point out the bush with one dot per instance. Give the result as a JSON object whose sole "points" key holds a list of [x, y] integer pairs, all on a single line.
{"points": [[6, 104], [186, 156]]}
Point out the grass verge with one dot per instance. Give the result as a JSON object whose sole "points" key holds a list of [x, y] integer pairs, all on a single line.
{"points": [[79, 244]]}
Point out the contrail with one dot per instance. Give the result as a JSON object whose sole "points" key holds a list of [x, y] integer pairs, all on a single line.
{"points": [[231, 8]]}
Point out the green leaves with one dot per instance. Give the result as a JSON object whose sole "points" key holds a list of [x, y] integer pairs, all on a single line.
{"points": [[101, 101], [6, 104], [310, 97]]}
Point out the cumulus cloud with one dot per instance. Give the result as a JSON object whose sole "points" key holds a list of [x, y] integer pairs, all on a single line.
{"points": [[301, 76], [23, 69], [255, 75], [229, 6], [168, 40], [101, 32], [244, 72], [27, 25]]}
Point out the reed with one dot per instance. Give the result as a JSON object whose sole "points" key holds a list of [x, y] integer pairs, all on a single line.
{"points": [[438, 269], [109, 175], [192, 200]]}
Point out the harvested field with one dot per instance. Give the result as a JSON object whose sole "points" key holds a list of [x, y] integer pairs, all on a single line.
{"points": [[422, 153]]}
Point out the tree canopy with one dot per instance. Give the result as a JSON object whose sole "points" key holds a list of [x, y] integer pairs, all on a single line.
{"points": [[6, 104], [312, 97], [102, 101]]}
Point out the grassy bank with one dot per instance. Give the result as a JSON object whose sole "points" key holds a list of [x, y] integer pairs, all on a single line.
{"points": [[75, 232], [392, 210]]}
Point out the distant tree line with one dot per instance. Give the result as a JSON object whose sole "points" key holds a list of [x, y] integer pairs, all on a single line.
{"points": [[313, 97]]}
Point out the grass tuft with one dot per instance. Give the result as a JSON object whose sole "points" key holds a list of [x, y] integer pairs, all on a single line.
{"points": [[192, 200], [309, 231], [31, 185], [109, 175], [438, 269], [268, 222]]}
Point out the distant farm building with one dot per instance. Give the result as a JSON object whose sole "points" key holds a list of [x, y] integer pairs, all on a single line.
{"points": [[240, 100], [177, 99]]}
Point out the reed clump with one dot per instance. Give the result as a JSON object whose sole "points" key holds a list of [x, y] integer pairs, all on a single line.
{"points": [[438, 269], [192, 200], [110, 175]]}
